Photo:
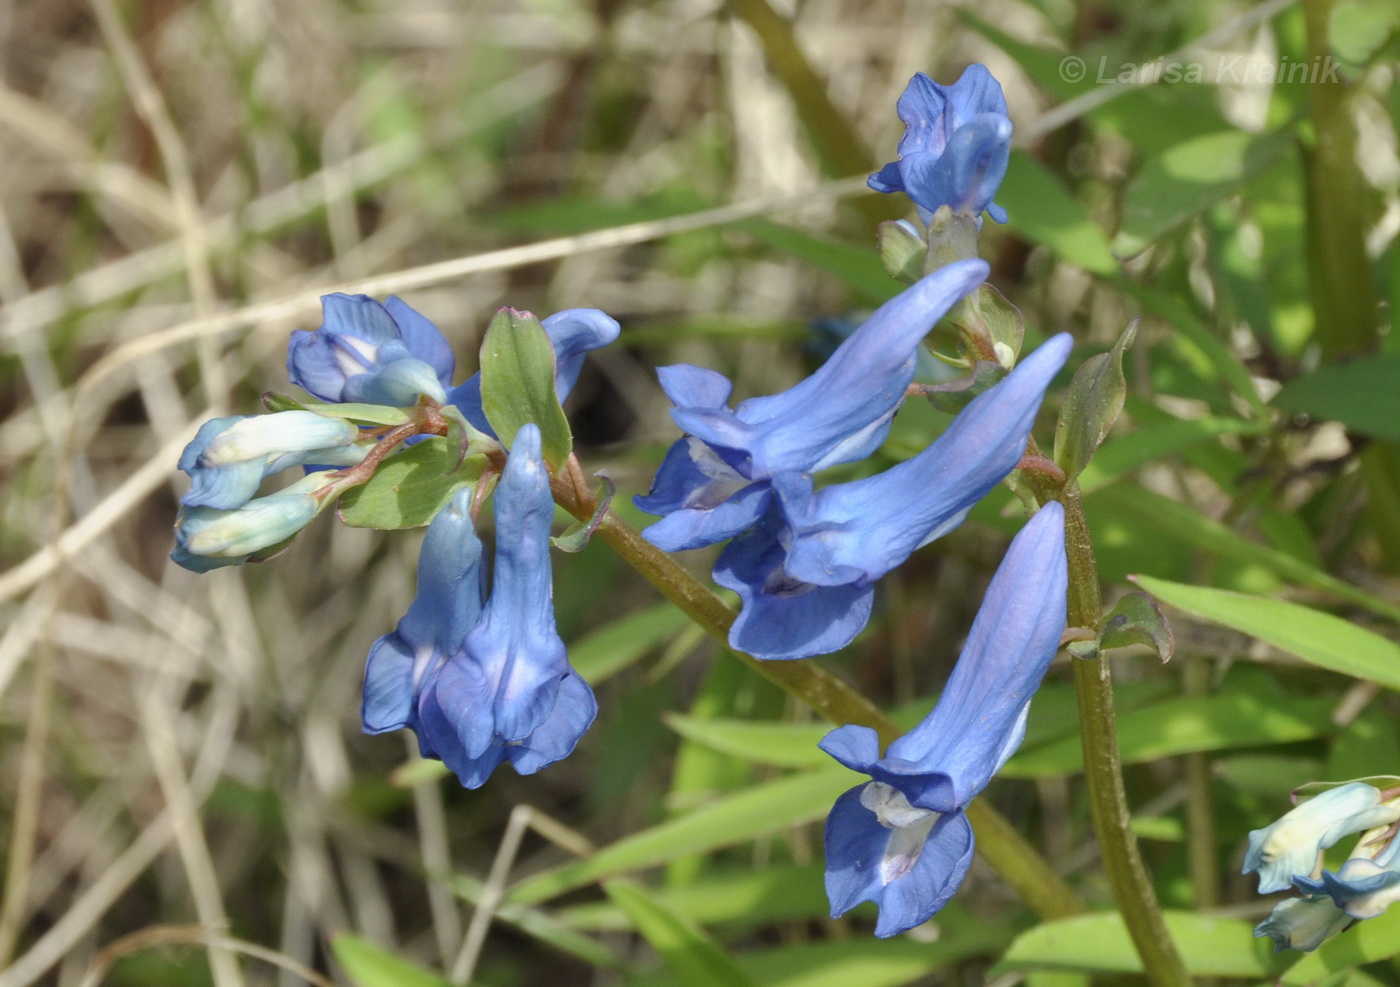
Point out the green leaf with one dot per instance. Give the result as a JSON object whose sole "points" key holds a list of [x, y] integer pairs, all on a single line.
{"points": [[1374, 939], [749, 897], [1247, 712], [1187, 179], [1316, 637], [411, 486], [1360, 28], [1119, 456], [863, 272], [1361, 394], [783, 745], [862, 961], [374, 966], [1136, 619], [1092, 404], [1211, 947], [611, 648], [1168, 518], [695, 958], [517, 383], [1042, 210], [745, 815], [578, 535]]}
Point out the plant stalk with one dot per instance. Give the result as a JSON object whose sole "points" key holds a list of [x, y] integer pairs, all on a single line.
{"points": [[1103, 771]]}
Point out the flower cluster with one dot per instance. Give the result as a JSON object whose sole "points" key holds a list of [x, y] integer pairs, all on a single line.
{"points": [[479, 680], [1288, 853], [902, 839], [804, 561]]}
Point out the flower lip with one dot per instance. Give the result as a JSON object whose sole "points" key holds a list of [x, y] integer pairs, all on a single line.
{"points": [[367, 351]]}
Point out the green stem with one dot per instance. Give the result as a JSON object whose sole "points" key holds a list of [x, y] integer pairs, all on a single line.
{"points": [[1017, 862], [1103, 771]]}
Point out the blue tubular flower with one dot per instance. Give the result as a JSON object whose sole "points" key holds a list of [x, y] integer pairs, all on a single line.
{"points": [[1366, 885], [1302, 923], [1290, 847], [447, 605], [509, 693], [373, 353], [902, 839], [714, 483], [956, 145], [574, 333], [854, 533], [209, 538], [229, 457]]}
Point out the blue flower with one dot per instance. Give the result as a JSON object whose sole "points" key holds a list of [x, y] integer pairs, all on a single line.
{"points": [[507, 693], [902, 839], [1302, 923], [229, 457], [368, 352], [446, 606], [1366, 885], [955, 148], [574, 333], [714, 482], [1290, 847], [805, 572], [210, 538]]}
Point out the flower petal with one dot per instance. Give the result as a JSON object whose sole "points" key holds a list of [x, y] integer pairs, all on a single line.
{"points": [[856, 532]]}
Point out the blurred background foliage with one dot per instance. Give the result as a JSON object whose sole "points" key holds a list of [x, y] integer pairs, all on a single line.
{"points": [[181, 180]]}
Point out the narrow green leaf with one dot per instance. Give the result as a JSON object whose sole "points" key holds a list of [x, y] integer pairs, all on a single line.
{"points": [[1183, 182], [517, 383], [1246, 712], [1043, 211], [374, 966], [1119, 456], [745, 815], [1362, 395], [783, 745], [411, 486], [1171, 519], [1211, 947], [1320, 638], [611, 648], [863, 272], [862, 961], [747, 897], [365, 414], [1092, 404], [695, 958]]}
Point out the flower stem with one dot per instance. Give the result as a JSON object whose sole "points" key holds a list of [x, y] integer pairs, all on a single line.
{"points": [[1023, 868], [1103, 771]]}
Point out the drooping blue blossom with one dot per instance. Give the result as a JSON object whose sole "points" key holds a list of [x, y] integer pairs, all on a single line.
{"points": [[229, 457], [480, 688], [1302, 923], [715, 481], [955, 148], [574, 333], [370, 352], [209, 538], [447, 604], [1367, 884], [1289, 848], [902, 839], [805, 573]]}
